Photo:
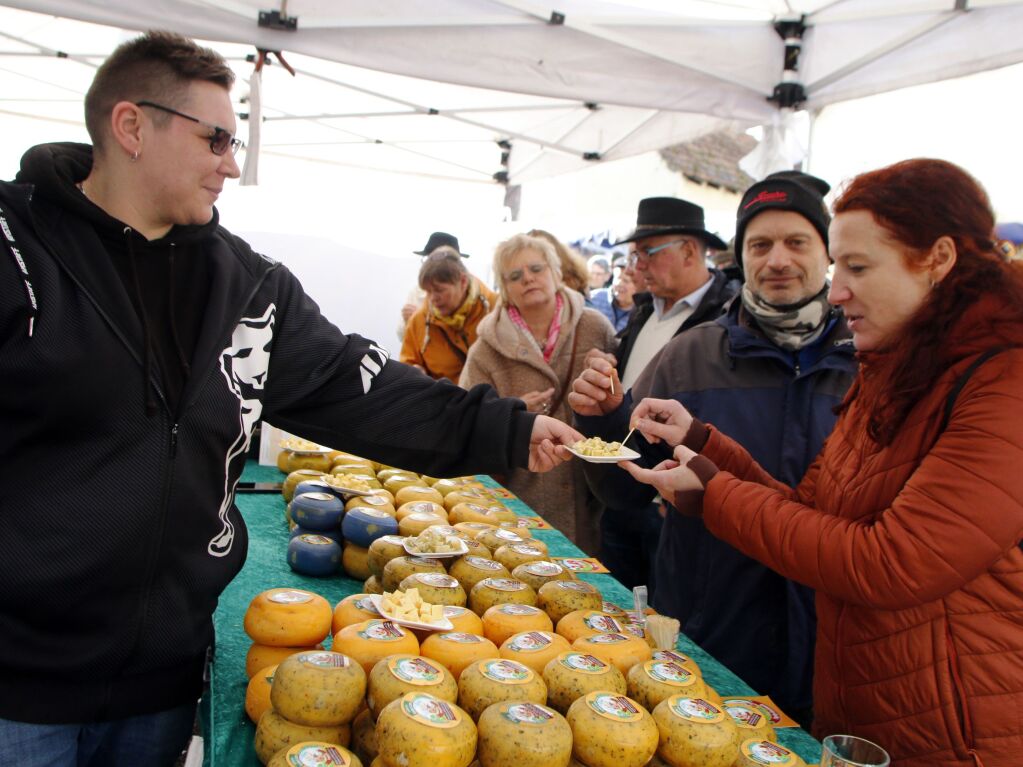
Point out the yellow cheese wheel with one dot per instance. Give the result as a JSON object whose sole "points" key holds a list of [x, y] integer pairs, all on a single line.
{"points": [[396, 675], [456, 650], [469, 512], [341, 457], [494, 680], [436, 588], [470, 570], [610, 730], [364, 736], [464, 620], [260, 656], [652, 681], [274, 732], [623, 650], [559, 598], [475, 495], [429, 507], [418, 493], [750, 721], [354, 560], [382, 551], [536, 574], [383, 493], [372, 640], [694, 731], [497, 537], [501, 515], [257, 693], [318, 689], [288, 618], [293, 478], [521, 734], [314, 752], [676, 656], [499, 591], [353, 609], [413, 524], [477, 549], [519, 525], [505, 620], [378, 502], [584, 623], [571, 675], [515, 554], [398, 481], [472, 528], [534, 648], [450, 485], [419, 730], [387, 472], [400, 568], [758, 753], [372, 586]]}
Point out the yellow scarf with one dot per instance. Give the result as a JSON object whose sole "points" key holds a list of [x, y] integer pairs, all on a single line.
{"points": [[457, 320]]}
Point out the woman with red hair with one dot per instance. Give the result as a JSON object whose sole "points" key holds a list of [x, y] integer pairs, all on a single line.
{"points": [[908, 524]]}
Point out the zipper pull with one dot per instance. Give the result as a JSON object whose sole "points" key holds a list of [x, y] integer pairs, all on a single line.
{"points": [[174, 440]]}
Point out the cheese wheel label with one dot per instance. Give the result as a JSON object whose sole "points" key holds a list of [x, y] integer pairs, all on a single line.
{"points": [[636, 630], [475, 507], [483, 564], [324, 659], [318, 496], [607, 638], [396, 540], [612, 608], [512, 609], [289, 597], [617, 708], [315, 540], [316, 755], [450, 611], [439, 580], [383, 631], [525, 548], [672, 655], [528, 713], [770, 713], [366, 603], [421, 516], [530, 641], [578, 586], [418, 671], [429, 710], [375, 513], [766, 752], [420, 560], [669, 672], [602, 623], [745, 716], [695, 709], [461, 637], [544, 568], [505, 671], [586, 664], [376, 500], [507, 535], [505, 584]]}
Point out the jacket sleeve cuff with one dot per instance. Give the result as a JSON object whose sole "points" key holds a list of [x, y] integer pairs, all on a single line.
{"points": [[522, 432], [690, 502], [697, 436]]}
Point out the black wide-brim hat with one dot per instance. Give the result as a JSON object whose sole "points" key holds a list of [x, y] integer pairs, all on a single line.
{"points": [[670, 215], [438, 240]]}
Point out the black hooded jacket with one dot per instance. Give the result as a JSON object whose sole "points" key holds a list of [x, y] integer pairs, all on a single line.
{"points": [[118, 529]]}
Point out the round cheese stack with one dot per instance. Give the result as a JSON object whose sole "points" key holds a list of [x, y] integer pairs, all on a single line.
{"points": [[316, 753], [382, 551], [288, 618], [425, 507], [396, 675], [469, 512], [623, 650], [398, 481], [362, 526], [503, 621], [758, 753], [464, 620], [311, 554], [364, 737], [511, 555], [536, 574], [355, 561], [418, 493], [559, 598], [292, 480], [497, 537], [419, 730], [584, 623], [274, 732], [694, 731], [491, 681], [400, 568], [318, 689], [353, 609], [456, 650], [257, 693], [534, 648], [436, 588], [470, 570], [370, 502], [372, 640], [524, 735], [655, 680], [260, 656], [571, 675], [372, 586], [610, 730], [414, 523], [475, 495], [750, 721], [499, 591]]}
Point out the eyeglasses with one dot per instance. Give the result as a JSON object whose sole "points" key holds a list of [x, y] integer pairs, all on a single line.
{"points": [[645, 254], [221, 139], [516, 274]]}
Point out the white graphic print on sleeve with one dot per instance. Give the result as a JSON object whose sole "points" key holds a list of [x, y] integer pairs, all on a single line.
{"points": [[245, 364], [372, 363]]}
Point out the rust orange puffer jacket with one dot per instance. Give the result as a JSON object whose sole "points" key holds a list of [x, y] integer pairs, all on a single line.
{"points": [[913, 550]]}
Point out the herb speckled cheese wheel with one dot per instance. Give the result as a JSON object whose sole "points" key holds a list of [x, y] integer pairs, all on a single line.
{"points": [[499, 591], [694, 731], [382, 551], [396, 482], [680, 658], [536, 574], [274, 732], [610, 730], [498, 537], [559, 598], [400, 568], [470, 570], [419, 730], [469, 512], [436, 588], [652, 681], [257, 693], [372, 640], [414, 493], [314, 753], [293, 479], [451, 484], [571, 675], [355, 561], [623, 650], [353, 609], [473, 528], [456, 649], [758, 753], [260, 656], [475, 495], [364, 737], [372, 586], [288, 618], [523, 734], [503, 621], [318, 689], [584, 623], [534, 648], [495, 680], [396, 675], [427, 507], [477, 549], [416, 522], [750, 722], [511, 555]]}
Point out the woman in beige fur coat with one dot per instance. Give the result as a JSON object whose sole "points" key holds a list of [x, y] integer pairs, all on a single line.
{"points": [[532, 346]]}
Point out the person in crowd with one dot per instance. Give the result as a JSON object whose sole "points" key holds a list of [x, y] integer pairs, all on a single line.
{"points": [[668, 261], [532, 347], [908, 523], [768, 374], [417, 296], [141, 344], [573, 266], [616, 302], [440, 332], [598, 268], [1010, 240]]}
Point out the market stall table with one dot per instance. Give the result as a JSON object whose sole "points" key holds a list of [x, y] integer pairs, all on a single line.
{"points": [[227, 730]]}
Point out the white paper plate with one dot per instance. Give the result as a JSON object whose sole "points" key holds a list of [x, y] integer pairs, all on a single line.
{"points": [[441, 625], [347, 491], [625, 454], [439, 554]]}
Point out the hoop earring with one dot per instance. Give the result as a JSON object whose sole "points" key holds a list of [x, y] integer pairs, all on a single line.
{"points": [[134, 156]]}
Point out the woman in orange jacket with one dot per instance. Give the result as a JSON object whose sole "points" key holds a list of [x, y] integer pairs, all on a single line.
{"points": [[908, 524]]}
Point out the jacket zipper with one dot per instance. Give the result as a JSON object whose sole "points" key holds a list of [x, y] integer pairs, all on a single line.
{"points": [[961, 709]]}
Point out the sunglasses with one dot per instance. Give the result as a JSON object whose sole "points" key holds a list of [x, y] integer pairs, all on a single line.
{"points": [[220, 139]]}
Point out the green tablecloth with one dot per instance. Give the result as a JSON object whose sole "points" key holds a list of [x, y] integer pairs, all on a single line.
{"points": [[227, 730]]}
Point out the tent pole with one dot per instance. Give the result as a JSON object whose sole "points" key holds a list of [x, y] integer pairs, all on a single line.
{"points": [[807, 163]]}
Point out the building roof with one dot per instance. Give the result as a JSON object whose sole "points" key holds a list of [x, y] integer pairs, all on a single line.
{"points": [[713, 159]]}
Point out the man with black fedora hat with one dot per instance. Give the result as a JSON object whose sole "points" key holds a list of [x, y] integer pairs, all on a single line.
{"points": [[440, 240], [767, 373]]}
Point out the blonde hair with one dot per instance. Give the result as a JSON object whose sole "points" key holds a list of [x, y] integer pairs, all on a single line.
{"points": [[516, 244], [574, 273]]}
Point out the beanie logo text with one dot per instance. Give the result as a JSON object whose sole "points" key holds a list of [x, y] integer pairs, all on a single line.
{"points": [[766, 197]]}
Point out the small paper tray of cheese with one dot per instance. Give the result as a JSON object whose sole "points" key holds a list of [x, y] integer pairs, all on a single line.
{"points": [[303, 447], [402, 619], [596, 450], [337, 483]]}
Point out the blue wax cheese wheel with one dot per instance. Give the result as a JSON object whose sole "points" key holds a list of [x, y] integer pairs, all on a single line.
{"points": [[314, 555], [420, 730], [397, 675], [571, 675], [694, 731], [316, 510], [655, 680], [611, 730], [318, 688], [495, 680], [362, 525], [523, 734], [766, 753]]}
